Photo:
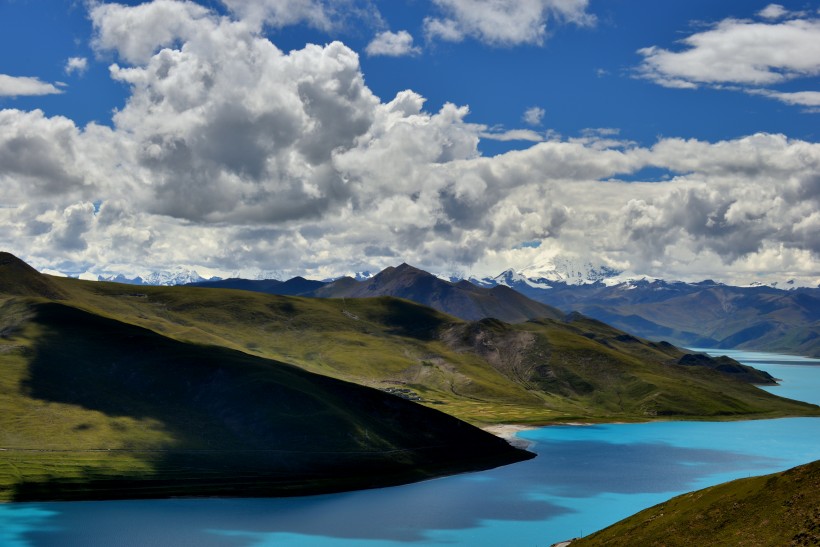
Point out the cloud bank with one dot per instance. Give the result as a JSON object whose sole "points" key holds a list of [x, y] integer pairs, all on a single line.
{"points": [[743, 55], [503, 22], [231, 154]]}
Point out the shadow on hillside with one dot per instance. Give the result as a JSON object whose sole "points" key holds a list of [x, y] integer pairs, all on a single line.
{"points": [[241, 425], [409, 319]]}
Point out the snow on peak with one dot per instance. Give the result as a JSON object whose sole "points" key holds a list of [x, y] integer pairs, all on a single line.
{"points": [[510, 278], [569, 271], [179, 276]]}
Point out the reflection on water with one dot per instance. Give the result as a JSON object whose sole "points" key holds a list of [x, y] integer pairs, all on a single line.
{"points": [[584, 479]]}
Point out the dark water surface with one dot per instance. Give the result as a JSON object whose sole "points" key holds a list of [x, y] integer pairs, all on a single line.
{"points": [[584, 478]]}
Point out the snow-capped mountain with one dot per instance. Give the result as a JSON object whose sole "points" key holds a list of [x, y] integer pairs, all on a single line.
{"points": [[175, 277], [362, 276], [569, 271], [557, 271]]}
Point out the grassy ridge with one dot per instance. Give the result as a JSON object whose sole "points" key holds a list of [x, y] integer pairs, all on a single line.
{"points": [[93, 407], [778, 509], [123, 391], [540, 371]]}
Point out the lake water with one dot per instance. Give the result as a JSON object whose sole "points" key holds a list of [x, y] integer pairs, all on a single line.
{"points": [[583, 479]]}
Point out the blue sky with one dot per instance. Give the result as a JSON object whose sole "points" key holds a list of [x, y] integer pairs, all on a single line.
{"points": [[641, 135]]}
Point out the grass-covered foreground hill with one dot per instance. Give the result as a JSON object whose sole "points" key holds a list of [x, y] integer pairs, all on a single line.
{"points": [[92, 407], [110, 389], [772, 510]]}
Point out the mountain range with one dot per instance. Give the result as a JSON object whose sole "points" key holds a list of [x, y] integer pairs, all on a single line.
{"points": [[705, 314]]}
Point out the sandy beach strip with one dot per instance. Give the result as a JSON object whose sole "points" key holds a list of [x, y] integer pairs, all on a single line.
{"points": [[508, 432]]}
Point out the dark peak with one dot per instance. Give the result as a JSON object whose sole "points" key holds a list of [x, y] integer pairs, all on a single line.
{"points": [[18, 278], [402, 270], [9, 261], [404, 267], [344, 279]]}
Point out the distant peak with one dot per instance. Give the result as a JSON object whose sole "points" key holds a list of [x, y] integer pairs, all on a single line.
{"points": [[402, 269]]}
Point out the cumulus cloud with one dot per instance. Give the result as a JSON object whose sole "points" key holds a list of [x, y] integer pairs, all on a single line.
{"points": [[773, 11], [504, 22], [740, 54], [19, 86], [534, 115], [76, 65], [392, 44], [228, 127], [231, 154]]}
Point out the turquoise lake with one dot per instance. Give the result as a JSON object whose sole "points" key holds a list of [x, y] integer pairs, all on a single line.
{"points": [[584, 478]]}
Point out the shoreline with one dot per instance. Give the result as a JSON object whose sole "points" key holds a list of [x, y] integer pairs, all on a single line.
{"points": [[509, 432]]}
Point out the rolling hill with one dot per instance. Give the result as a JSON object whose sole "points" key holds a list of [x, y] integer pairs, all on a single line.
{"points": [[486, 371], [778, 509], [92, 407], [149, 384]]}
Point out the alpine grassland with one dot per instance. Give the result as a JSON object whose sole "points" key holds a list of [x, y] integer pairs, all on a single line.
{"points": [[111, 390]]}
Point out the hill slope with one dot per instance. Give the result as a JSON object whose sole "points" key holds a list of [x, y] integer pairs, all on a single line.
{"points": [[91, 407], [483, 372], [772, 510]]}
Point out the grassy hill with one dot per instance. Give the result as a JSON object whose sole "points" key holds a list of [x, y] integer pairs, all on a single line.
{"points": [[483, 372], [772, 510], [93, 407], [124, 391]]}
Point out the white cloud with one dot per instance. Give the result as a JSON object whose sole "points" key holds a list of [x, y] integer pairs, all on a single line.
{"points": [[76, 64], [18, 86], [230, 154], [392, 44], [443, 29], [503, 22], [773, 11], [739, 53], [513, 135], [799, 98], [137, 32], [534, 115]]}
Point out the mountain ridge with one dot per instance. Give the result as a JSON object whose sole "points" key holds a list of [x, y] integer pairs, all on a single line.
{"points": [[702, 314]]}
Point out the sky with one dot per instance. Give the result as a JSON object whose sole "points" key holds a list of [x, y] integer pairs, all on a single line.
{"points": [[323, 137]]}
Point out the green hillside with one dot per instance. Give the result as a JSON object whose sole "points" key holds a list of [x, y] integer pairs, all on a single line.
{"points": [[483, 372], [110, 390], [91, 407], [773, 510]]}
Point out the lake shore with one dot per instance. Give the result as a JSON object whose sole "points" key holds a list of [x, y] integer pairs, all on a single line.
{"points": [[509, 433]]}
